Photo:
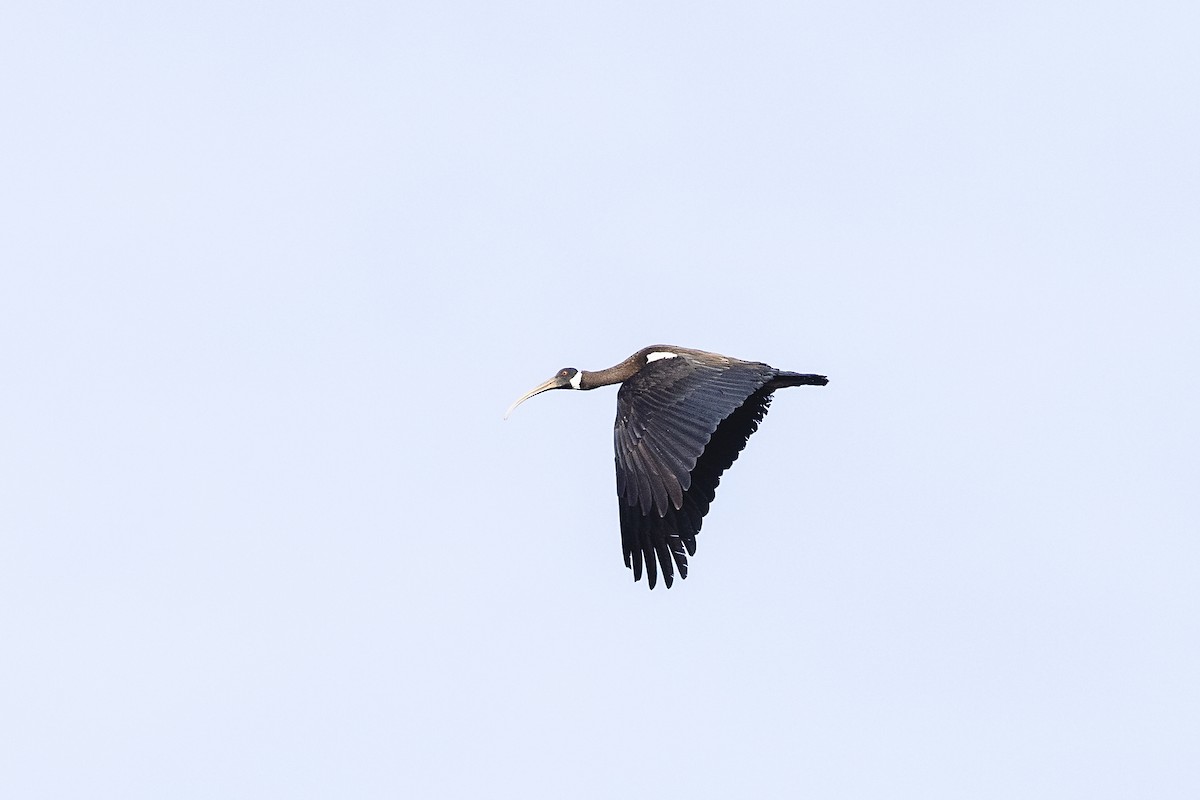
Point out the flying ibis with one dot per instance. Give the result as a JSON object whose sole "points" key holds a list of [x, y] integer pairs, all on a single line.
{"points": [[682, 418]]}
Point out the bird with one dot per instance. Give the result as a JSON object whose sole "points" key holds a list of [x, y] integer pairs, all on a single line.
{"points": [[683, 416]]}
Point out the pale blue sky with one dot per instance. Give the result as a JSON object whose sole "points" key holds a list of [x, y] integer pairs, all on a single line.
{"points": [[272, 273]]}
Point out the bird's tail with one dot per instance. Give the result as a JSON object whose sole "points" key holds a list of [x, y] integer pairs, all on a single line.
{"points": [[783, 379]]}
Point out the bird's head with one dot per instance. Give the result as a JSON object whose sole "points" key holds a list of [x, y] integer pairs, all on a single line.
{"points": [[565, 378]]}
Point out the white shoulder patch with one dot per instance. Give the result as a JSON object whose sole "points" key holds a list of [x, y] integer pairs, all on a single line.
{"points": [[660, 354], [578, 379]]}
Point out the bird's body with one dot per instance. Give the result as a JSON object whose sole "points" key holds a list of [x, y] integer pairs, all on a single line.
{"points": [[683, 416]]}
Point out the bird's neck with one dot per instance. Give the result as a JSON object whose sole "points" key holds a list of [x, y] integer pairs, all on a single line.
{"points": [[607, 377]]}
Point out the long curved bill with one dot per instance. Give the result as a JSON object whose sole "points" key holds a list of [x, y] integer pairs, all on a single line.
{"points": [[543, 387]]}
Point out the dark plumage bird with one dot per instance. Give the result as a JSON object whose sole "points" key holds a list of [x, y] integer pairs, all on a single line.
{"points": [[682, 418]]}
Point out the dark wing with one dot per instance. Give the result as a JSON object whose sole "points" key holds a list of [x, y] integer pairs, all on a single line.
{"points": [[680, 423]]}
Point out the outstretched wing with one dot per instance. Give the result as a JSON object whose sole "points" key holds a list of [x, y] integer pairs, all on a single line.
{"points": [[681, 422]]}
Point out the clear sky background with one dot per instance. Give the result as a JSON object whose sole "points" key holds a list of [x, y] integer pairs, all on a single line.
{"points": [[271, 273]]}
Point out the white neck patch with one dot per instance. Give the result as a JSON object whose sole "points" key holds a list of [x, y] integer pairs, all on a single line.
{"points": [[660, 354], [578, 379]]}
